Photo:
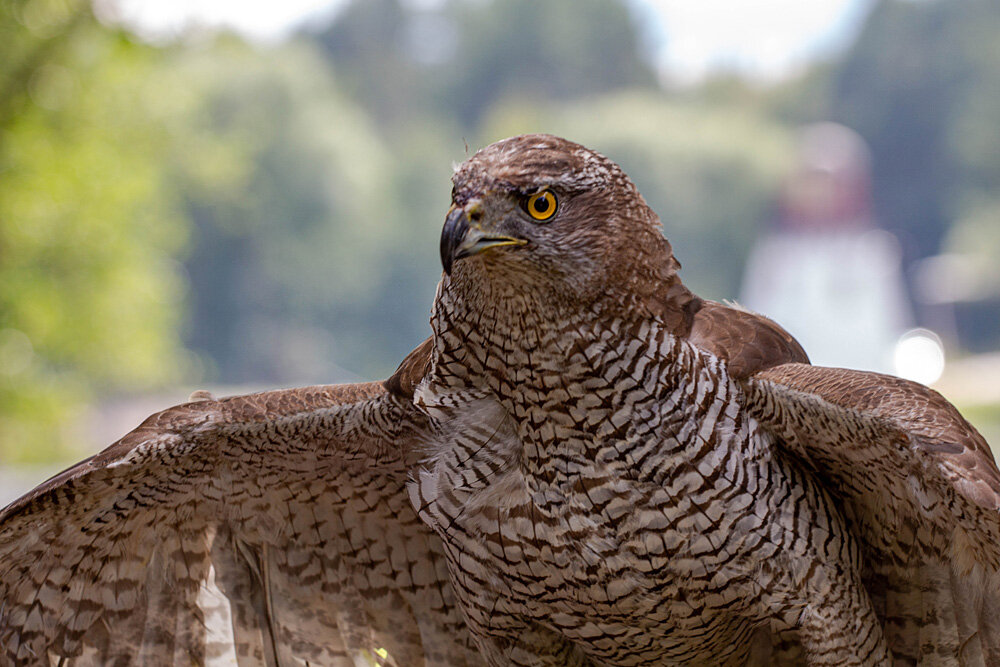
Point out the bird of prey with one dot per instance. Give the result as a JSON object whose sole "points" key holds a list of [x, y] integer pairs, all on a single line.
{"points": [[586, 464]]}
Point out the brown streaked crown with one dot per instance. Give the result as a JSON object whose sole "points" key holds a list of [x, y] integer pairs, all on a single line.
{"points": [[531, 161]]}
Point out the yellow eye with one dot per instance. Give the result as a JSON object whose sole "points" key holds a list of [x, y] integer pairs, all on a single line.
{"points": [[542, 205]]}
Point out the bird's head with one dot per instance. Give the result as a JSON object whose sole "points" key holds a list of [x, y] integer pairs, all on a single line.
{"points": [[542, 216]]}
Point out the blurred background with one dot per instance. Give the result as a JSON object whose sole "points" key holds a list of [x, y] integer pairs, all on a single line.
{"points": [[244, 195]]}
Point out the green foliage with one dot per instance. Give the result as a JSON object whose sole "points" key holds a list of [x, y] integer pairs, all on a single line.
{"points": [[922, 86], [541, 51], [369, 44], [295, 261], [460, 60], [88, 295], [35, 36]]}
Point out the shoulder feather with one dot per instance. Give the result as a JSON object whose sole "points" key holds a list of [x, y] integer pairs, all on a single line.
{"points": [[747, 341]]}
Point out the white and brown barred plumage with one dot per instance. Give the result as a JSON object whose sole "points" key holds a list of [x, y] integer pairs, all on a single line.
{"points": [[585, 465]]}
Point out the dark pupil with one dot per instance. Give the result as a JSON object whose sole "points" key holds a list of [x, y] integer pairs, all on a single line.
{"points": [[542, 204]]}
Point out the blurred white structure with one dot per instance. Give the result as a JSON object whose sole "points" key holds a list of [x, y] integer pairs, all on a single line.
{"points": [[827, 273], [919, 356]]}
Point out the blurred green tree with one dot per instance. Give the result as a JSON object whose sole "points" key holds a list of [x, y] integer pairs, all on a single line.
{"points": [[89, 296], [367, 45], [561, 50], [303, 265], [922, 86], [459, 59]]}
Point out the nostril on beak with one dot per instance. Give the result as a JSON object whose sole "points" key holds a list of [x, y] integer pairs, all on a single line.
{"points": [[474, 211]]}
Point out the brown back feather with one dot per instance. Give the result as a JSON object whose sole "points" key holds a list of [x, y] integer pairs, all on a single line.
{"points": [[411, 371], [750, 343]]}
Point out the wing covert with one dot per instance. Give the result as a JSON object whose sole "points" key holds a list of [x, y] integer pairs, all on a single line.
{"points": [[920, 489], [272, 528], [747, 341]]}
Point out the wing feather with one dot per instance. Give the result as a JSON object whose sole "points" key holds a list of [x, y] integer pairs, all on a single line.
{"points": [[920, 488], [268, 529], [747, 341]]}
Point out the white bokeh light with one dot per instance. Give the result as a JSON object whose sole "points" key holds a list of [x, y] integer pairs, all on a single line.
{"points": [[919, 356]]}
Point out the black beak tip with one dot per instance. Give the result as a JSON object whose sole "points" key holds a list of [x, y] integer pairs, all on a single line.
{"points": [[456, 226]]}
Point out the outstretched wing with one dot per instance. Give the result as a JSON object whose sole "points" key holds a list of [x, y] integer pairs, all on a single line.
{"points": [[271, 528], [919, 487]]}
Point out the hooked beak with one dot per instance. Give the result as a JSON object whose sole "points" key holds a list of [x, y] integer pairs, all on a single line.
{"points": [[459, 239]]}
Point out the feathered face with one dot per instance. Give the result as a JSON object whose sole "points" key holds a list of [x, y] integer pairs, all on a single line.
{"points": [[539, 212]]}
